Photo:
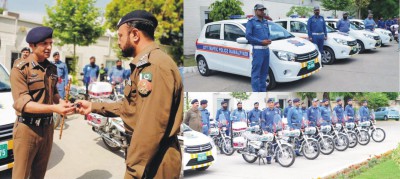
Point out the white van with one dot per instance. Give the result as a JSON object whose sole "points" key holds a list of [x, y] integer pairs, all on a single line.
{"points": [[222, 46], [337, 45], [7, 120], [385, 35]]}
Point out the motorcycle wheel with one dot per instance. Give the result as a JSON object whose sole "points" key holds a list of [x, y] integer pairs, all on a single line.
{"points": [[57, 120], [228, 150], [311, 150], [353, 139], [378, 135], [341, 142], [285, 152], [249, 159], [363, 137], [327, 145], [110, 145]]}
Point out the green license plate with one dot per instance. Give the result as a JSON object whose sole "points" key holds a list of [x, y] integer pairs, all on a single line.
{"points": [[310, 65], [3, 151], [201, 157]]}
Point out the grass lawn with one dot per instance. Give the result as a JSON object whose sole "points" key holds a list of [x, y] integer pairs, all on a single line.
{"points": [[385, 170], [189, 61]]}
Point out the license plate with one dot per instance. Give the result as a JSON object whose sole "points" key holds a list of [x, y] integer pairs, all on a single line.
{"points": [[310, 65], [201, 157], [3, 151], [378, 41]]}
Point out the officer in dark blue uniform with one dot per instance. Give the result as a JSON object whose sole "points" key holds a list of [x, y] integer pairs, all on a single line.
{"points": [[295, 115], [339, 110], [364, 112], [381, 23], [268, 116], [369, 23], [313, 113], [343, 25], [116, 76], [205, 116], [223, 115], [90, 73], [255, 115], [62, 73], [388, 23], [303, 108], [349, 111], [325, 113], [258, 35], [285, 112], [316, 29], [278, 106]]}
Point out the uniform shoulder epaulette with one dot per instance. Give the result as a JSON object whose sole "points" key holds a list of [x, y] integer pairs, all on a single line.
{"points": [[20, 64]]}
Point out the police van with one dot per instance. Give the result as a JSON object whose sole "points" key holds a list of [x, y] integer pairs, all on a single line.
{"points": [[7, 120], [336, 46], [385, 35], [365, 39], [222, 46]]}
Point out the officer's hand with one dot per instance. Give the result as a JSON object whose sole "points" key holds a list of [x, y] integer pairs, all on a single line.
{"points": [[63, 108], [310, 38], [85, 107], [266, 42]]}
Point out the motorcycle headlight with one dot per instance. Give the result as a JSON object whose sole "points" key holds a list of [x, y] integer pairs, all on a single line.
{"points": [[340, 41], [284, 55], [369, 36]]}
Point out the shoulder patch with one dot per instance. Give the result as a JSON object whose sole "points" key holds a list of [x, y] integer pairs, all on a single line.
{"points": [[20, 64], [143, 60]]}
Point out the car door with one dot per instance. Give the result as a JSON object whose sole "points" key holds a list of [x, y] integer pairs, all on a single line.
{"points": [[378, 113], [210, 46], [236, 56]]}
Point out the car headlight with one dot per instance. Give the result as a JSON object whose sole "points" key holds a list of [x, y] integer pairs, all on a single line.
{"points": [[340, 41], [369, 36], [286, 56]]}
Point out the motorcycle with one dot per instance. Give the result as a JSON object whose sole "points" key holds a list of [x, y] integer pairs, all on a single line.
{"points": [[306, 145], [377, 134], [344, 128], [362, 134], [341, 139], [217, 132], [326, 143]]}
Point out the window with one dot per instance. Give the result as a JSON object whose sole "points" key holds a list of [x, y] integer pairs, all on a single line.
{"points": [[232, 32], [14, 56], [332, 24], [110, 63], [207, 17], [283, 24], [298, 27], [213, 31], [379, 109]]}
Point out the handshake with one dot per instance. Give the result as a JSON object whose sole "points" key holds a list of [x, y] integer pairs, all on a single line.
{"points": [[67, 108]]}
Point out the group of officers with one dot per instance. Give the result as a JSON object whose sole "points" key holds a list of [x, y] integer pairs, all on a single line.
{"points": [[319, 113]]}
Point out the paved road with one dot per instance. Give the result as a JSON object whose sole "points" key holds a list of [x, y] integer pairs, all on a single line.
{"points": [[235, 167], [375, 70], [81, 154]]}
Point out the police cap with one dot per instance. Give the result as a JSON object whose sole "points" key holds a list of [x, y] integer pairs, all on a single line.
{"points": [[39, 34], [138, 15]]}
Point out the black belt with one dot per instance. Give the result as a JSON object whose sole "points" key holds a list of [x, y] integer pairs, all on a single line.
{"points": [[36, 121]]}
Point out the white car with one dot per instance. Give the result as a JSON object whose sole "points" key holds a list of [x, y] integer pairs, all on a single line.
{"points": [[337, 45], [222, 46], [199, 151], [365, 39], [385, 35], [7, 120]]}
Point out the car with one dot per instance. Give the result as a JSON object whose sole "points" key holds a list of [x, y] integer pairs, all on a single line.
{"points": [[386, 113], [337, 46], [8, 117], [366, 40], [199, 151], [222, 46], [385, 35]]}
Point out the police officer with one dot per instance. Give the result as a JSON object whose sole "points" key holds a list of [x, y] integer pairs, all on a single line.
{"points": [[325, 113], [369, 23], [339, 110], [258, 35], [103, 72], [295, 116], [381, 23], [255, 115], [62, 73], [116, 76], [90, 73], [286, 111], [303, 108], [278, 106], [205, 116], [388, 24], [153, 103], [364, 112], [316, 29], [239, 114], [349, 111], [268, 119], [33, 86], [343, 25], [25, 52], [193, 117], [224, 116], [313, 113]]}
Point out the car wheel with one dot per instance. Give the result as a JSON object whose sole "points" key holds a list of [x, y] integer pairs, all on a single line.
{"points": [[360, 45], [271, 83], [329, 56], [202, 66], [385, 118]]}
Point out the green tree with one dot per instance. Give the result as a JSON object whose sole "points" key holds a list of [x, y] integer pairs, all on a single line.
{"points": [[221, 10], [359, 5], [307, 95], [169, 14], [391, 8], [336, 5], [1, 10], [74, 22], [375, 100], [302, 11], [240, 95], [392, 95]]}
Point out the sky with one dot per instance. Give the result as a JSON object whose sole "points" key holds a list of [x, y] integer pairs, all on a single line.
{"points": [[36, 10]]}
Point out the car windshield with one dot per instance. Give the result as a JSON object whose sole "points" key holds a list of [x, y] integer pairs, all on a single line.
{"points": [[5, 85], [329, 29], [277, 32], [355, 26]]}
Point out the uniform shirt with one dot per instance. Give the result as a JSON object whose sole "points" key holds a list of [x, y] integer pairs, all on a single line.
{"points": [[116, 75], [364, 113], [349, 111], [90, 73], [343, 25], [316, 24], [381, 24], [369, 24], [33, 81], [294, 117], [285, 112], [193, 119], [280, 111], [226, 113], [268, 118], [149, 114], [339, 112], [238, 115], [388, 23], [254, 116], [326, 115], [313, 114], [205, 116], [62, 72], [257, 31], [304, 110]]}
